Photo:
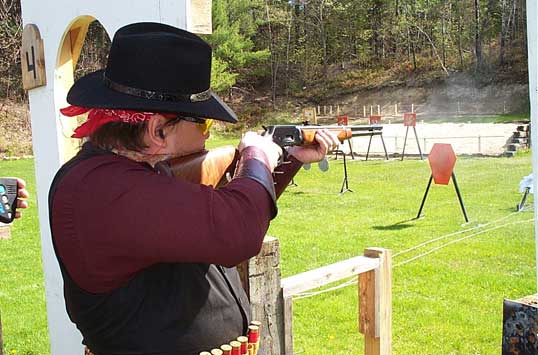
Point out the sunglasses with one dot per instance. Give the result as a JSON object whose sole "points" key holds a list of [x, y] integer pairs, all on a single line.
{"points": [[203, 123]]}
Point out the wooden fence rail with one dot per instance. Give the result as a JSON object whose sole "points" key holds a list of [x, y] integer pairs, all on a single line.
{"points": [[272, 297]]}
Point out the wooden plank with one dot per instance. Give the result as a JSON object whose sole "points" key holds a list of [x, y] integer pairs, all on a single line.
{"points": [[367, 303], [375, 304], [316, 278], [32, 58], [288, 325]]}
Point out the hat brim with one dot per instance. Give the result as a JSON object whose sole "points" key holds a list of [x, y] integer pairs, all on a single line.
{"points": [[90, 91]]}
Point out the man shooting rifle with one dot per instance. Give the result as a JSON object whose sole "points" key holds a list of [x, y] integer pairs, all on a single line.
{"points": [[148, 260]]}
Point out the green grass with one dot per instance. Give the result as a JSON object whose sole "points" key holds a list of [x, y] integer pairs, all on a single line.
{"points": [[447, 302], [22, 295]]}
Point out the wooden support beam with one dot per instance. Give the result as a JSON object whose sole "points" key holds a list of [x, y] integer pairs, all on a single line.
{"points": [[266, 296], [375, 304], [316, 278], [288, 325]]}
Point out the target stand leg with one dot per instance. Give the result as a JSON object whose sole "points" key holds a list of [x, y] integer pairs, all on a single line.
{"points": [[384, 147], [459, 197], [418, 144], [368, 151], [351, 149], [523, 199], [405, 141], [424, 198], [345, 185]]}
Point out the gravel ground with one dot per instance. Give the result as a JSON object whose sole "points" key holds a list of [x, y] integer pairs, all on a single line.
{"points": [[465, 138]]}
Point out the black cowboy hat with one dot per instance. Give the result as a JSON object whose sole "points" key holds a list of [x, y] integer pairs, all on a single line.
{"points": [[157, 68]]}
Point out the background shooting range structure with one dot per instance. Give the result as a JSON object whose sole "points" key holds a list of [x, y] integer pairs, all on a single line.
{"points": [[442, 160], [410, 120], [54, 32]]}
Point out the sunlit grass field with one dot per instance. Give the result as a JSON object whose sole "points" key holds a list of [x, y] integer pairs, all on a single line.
{"points": [[446, 302]]}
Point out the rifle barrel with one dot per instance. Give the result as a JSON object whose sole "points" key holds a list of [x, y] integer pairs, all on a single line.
{"points": [[353, 128]]}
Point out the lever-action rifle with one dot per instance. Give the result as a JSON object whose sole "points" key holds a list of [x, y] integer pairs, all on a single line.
{"points": [[290, 135], [216, 167]]}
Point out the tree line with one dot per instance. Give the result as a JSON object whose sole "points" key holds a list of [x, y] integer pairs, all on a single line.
{"points": [[288, 46]]}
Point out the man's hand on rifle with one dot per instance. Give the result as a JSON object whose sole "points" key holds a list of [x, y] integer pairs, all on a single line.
{"points": [[327, 142], [266, 144], [22, 195]]}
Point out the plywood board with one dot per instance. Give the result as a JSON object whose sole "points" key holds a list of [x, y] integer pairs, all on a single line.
{"points": [[32, 58]]}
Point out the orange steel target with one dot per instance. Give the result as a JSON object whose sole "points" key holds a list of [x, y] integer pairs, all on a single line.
{"points": [[442, 160]]}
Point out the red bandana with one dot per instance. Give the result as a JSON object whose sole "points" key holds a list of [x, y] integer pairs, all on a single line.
{"points": [[99, 116]]}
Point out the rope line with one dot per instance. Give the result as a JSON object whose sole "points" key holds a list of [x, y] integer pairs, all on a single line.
{"points": [[452, 234], [353, 280], [459, 240]]}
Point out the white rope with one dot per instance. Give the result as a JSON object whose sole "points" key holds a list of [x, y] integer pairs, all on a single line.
{"points": [[451, 234], [459, 240], [337, 287], [354, 279]]}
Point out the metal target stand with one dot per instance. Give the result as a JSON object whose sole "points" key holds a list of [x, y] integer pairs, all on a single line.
{"points": [[410, 120], [345, 183]]}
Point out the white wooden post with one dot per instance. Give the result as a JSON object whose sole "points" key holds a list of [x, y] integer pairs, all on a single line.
{"points": [[63, 24], [532, 43]]}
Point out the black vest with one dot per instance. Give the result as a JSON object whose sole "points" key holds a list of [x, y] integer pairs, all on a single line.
{"points": [[166, 309]]}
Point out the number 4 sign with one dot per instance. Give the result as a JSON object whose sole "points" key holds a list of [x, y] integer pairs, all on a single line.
{"points": [[32, 58]]}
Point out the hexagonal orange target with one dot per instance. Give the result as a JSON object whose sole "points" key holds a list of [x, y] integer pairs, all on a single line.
{"points": [[442, 160]]}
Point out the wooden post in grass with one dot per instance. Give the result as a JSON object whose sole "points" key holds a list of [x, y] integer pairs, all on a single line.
{"points": [[264, 292], [271, 297], [375, 304]]}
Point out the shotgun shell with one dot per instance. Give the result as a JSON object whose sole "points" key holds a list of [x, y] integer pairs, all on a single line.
{"points": [[256, 323], [236, 347], [216, 352], [253, 332], [243, 341], [226, 349]]}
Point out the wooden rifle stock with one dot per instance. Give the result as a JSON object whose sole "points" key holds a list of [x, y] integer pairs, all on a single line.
{"points": [[208, 167], [212, 167]]}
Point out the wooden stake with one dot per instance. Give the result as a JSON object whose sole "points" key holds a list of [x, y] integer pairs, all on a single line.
{"points": [[375, 304], [266, 295]]}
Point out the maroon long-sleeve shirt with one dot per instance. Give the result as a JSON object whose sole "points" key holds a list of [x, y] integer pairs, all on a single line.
{"points": [[116, 217], [145, 257]]}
